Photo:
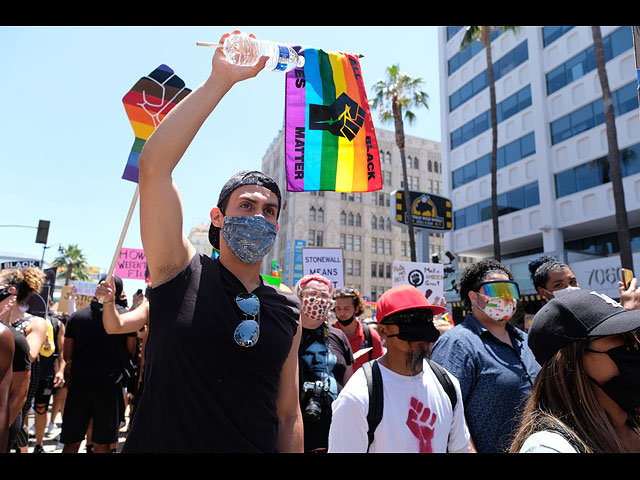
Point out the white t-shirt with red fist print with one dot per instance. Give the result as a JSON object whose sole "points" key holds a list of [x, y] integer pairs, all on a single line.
{"points": [[417, 417]]}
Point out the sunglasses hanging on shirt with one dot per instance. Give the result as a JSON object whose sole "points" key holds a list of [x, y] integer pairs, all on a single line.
{"points": [[247, 332]]}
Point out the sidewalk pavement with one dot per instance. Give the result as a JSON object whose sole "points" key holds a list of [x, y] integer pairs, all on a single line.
{"points": [[51, 444]]}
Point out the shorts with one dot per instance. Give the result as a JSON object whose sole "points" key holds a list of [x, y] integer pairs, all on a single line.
{"points": [[44, 391], [104, 405]]}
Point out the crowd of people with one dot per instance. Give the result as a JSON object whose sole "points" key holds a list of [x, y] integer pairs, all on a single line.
{"points": [[214, 359]]}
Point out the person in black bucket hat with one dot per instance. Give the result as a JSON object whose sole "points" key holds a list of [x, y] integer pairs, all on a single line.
{"points": [[586, 397], [221, 364]]}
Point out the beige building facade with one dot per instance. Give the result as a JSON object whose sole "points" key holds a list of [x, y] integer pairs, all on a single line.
{"points": [[199, 238]]}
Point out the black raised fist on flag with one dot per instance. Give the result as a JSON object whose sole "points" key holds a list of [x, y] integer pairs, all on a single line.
{"points": [[343, 118]]}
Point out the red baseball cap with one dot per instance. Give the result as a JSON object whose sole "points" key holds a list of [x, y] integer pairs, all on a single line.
{"points": [[403, 297]]}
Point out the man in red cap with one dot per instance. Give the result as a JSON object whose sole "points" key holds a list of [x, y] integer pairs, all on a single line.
{"points": [[418, 415]]}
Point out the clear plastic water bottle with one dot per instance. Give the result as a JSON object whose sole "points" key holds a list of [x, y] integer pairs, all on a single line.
{"points": [[242, 49]]}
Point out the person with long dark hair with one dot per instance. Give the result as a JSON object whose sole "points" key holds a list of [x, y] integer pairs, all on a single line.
{"points": [[27, 283], [586, 397]]}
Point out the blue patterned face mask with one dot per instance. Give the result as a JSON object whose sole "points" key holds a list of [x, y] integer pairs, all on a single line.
{"points": [[249, 238]]}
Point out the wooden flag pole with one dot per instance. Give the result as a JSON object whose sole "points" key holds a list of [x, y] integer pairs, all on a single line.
{"points": [[116, 255]]}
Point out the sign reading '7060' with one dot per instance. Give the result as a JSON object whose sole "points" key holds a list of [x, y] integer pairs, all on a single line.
{"points": [[428, 210]]}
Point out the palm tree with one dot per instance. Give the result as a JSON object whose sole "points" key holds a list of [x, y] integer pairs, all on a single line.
{"points": [[394, 95], [483, 34], [622, 223], [71, 264]]}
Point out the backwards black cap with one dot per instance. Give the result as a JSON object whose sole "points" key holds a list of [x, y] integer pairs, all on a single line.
{"points": [[245, 177]]}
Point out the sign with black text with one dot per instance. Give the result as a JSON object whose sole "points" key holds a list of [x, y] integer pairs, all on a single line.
{"points": [[426, 277], [327, 262], [22, 263], [601, 274]]}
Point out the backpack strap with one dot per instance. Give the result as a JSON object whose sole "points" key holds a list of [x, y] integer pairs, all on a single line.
{"points": [[445, 381], [376, 398], [367, 336]]}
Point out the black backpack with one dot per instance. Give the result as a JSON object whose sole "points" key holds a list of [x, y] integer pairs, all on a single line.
{"points": [[376, 398]]}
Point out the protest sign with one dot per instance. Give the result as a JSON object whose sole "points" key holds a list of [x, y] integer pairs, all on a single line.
{"points": [[81, 300], [426, 277], [131, 264], [146, 105], [84, 288], [326, 262], [22, 263]]}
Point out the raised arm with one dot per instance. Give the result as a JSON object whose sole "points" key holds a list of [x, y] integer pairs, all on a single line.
{"points": [[115, 322], [166, 248]]}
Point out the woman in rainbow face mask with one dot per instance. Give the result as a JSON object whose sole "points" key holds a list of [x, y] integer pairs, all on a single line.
{"points": [[325, 360], [489, 356]]}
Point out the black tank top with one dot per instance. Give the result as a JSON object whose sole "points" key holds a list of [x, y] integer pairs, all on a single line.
{"points": [[202, 391]]}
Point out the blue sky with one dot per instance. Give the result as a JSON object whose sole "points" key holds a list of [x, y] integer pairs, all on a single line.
{"points": [[65, 136]]}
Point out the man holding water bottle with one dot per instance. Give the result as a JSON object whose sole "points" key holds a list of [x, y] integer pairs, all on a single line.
{"points": [[221, 371]]}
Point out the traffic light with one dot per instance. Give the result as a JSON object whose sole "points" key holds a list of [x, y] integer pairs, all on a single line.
{"points": [[43, 231]]}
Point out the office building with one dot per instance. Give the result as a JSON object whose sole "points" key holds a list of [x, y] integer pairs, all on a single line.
{"points": [[554, 191]]}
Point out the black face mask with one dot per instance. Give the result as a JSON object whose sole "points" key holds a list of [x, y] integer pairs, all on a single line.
{"points": [[624, 389], [417, 332], [347, 322], [123, 302]]}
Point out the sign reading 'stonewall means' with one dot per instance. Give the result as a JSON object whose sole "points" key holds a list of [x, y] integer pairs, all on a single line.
{"points": [[132, 264], [426, 277], [326, 262]]}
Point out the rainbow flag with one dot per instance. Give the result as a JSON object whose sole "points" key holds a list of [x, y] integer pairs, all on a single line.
{"points": [[146, 104], [330, 141]]}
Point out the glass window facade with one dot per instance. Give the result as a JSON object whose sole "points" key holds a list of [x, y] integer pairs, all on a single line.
{"points": [[508, 154], [508, 202], [466, 54], [551, 34], [596, 172], [504, 65], [624, 99], [605, 244], [614, 44], [505, 109]]}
